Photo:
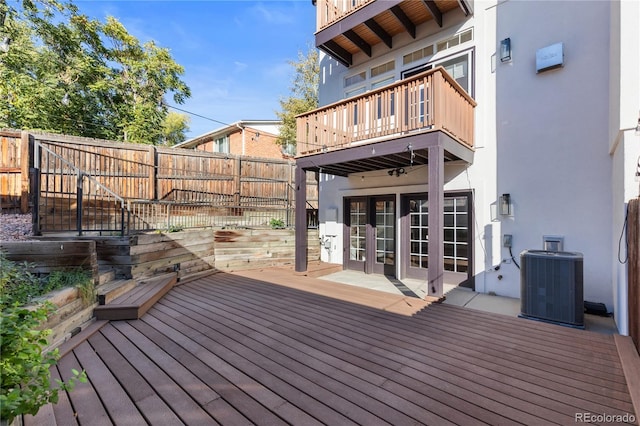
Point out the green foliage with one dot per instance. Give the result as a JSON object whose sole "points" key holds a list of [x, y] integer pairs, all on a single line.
{"points": [[78, 278], [67, 73], [17, 284], [25, 379], [304, 95], [174, 128], [276, 223], [175, 228]]}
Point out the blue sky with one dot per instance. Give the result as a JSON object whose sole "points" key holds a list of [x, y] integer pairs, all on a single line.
{"points": [[235, 53]]}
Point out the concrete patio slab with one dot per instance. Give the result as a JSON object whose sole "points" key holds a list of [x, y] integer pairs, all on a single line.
{"points": [[454, 295]]}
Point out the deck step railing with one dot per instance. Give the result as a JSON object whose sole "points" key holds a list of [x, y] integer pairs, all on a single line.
{"points": [[69, 199]]}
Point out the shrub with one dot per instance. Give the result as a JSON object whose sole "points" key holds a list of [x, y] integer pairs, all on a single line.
{"points": [[17, 284], [276, 223], [77, 278], [24, 367]]}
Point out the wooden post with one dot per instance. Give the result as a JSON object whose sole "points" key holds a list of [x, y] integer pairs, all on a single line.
{"points": [[301, 219], [153, 173], [24, 172], [436, 222], [437, 99], [237, 181], [289, 194]]}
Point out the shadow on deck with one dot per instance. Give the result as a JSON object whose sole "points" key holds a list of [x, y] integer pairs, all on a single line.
{"points": [[269, 347]]}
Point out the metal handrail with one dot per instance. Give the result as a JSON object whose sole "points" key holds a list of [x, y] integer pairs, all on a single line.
{"points": [[81, 175]]}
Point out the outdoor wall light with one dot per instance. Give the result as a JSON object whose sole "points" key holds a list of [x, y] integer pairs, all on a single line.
{"points": [[399, 171], [637, 132], [411, 153], [505, 50], [505, 205]]}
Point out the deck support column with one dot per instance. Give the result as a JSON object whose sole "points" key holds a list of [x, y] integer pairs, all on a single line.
{"points": [[301, 219], [435, 278]]}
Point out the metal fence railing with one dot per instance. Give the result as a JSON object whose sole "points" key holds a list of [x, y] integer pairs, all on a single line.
{"points": [[69, 199]]}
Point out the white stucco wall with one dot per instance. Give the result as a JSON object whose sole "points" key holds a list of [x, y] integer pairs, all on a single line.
{"points": [[552, 136], [624, 107], [545, 138]]}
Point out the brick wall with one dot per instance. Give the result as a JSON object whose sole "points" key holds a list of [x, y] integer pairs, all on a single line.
{"points": [[264, 146]]}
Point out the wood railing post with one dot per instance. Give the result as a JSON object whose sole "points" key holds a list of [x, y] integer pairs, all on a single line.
{"points": [[237, 181], [153, 173], [25, 141], [438, 101]]}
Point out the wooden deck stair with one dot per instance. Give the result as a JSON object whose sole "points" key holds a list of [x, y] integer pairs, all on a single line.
{"points": [[136, 301]]}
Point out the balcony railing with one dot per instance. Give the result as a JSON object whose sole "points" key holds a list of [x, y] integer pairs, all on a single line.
{"points": [[330, 11], [430, 101]]}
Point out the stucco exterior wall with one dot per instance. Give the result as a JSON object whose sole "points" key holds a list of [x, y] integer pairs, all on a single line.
{"points": [[545, 138], [624, 66], [552, 136]]}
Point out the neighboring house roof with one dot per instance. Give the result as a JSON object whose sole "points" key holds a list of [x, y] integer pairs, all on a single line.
{"points": [[266, 126]]}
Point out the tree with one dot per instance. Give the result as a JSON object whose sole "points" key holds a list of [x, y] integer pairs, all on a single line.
{"points": [[174, 128], [66, 73], [304, 95]]}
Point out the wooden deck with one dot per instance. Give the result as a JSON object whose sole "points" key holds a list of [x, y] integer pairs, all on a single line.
{"points": [[136, 302], [271, 348]]}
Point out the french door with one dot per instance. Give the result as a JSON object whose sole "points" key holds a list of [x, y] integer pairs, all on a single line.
{"points": [[456, 236], [370, 240]]}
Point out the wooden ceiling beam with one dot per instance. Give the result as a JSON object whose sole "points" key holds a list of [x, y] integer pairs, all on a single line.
{"points": [[379, 32], [466, 7], [404, 20], [358, 41], [432, 7], [336, 51]]}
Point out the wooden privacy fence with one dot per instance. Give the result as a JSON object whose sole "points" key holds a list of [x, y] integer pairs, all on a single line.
{"points": [[14, 172], [76, 184]]}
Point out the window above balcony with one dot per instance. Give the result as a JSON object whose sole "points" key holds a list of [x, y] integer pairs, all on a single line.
{"points": [[346, 27]]}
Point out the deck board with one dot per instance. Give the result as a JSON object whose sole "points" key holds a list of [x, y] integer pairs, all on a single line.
{"points": [[273, 348], [136, 302], [360, 357]]}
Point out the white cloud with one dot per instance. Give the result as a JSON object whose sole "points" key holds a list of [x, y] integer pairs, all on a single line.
{"points": [[240, 66], [271, 15]]}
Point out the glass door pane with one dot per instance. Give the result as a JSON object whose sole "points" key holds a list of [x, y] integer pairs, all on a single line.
{"points": [[419, 233], [456, 234], [384, 218], [385, 232], [357, 230]]}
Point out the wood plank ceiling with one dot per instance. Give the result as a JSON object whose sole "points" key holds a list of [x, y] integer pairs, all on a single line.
{"points": [[371, 25]]}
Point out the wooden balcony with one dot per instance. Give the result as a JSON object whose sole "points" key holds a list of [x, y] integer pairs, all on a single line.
{"points": [[348, 27], [428, 102], [330, 11]]}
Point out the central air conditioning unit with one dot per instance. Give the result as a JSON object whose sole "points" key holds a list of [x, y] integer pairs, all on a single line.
{"points": [[551, 287]]}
